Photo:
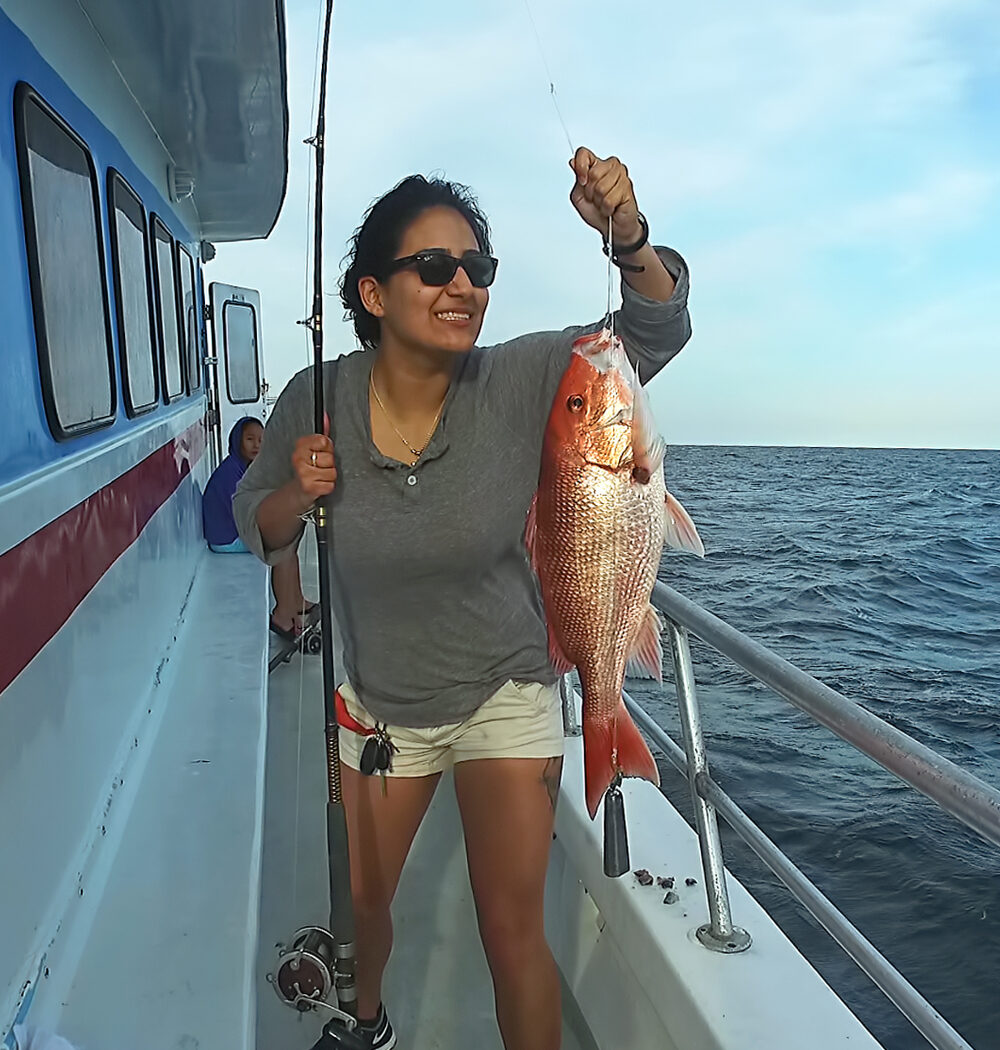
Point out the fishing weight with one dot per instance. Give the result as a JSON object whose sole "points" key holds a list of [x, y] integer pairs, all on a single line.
{"points": [[616, 861]]}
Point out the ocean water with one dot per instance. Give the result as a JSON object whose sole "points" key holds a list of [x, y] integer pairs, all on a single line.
{"points": [[878, 571]]}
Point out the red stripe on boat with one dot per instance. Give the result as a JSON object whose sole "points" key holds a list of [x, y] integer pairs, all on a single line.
{"points": [[46, 576]]}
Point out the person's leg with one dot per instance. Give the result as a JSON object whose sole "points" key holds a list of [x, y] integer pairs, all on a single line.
{"points": [[508, 811], [287, 593], [302, 607], [380, 830]]}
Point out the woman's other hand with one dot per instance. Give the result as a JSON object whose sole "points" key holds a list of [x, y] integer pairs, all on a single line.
{"points": [[315, 472]]}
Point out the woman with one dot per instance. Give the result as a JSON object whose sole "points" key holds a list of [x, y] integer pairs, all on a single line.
{"points": [[433, 463], [290, 607]]}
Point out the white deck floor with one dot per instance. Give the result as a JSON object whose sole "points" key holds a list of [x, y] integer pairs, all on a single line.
{"points": [[438, 989], [158, 948]]}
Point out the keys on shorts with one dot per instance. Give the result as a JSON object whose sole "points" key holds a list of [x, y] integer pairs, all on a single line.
{"points": [[376, 755]]}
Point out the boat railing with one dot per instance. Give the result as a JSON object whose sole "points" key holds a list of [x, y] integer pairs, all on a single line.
{"points": [[974, 802]]}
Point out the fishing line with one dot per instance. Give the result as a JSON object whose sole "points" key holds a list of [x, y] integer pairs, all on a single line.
{"points": [[298, 788], [611, 279], [609, 316], [548, 76]]}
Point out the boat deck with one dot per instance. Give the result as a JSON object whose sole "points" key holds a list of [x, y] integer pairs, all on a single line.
{"points": [[208, 864]]}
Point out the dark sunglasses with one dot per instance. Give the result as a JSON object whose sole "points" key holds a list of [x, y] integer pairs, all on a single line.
{"points": [[438, 268]]}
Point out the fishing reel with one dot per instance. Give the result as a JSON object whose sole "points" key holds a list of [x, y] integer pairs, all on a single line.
{"points": [[306, 972], [306, 978]]}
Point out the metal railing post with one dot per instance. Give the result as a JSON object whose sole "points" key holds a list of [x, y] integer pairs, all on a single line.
{"points": [[956, 791], [719, 934], [571, 727]]}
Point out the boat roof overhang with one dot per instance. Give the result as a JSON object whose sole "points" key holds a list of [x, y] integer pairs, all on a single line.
{"points": [[211, 80]]}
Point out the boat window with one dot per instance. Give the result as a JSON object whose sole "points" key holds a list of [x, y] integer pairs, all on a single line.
{"points": [[166, 301], [239, 323], [62, 222], [132, 295], [189, 313]]}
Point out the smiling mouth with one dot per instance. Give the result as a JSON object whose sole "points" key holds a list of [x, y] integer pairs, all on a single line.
{"points": [[453, 315]]}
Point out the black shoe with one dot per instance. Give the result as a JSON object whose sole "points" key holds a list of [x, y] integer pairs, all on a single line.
{"points": [[379, 1031]]}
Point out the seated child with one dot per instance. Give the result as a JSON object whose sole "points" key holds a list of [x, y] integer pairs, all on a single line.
{"points": [[291, 610]]}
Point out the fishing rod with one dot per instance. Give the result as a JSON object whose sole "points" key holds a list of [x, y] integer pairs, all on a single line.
{"points": [[316, 971]]}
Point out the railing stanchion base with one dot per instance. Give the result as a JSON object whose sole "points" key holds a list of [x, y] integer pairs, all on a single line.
{"points": [[738, 941]]}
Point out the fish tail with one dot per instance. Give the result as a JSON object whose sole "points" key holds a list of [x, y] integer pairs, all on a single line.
{"points": [[611, 747]]}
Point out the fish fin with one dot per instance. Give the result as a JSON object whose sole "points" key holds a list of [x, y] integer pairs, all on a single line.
{"points": [[634, 757], [530, 531], [561, 663], [598, 770], [646, 658], [679, 530], [648, 446]]}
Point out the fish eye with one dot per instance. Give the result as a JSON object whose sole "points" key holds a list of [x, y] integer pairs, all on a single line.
{"points": [[574, 403]]}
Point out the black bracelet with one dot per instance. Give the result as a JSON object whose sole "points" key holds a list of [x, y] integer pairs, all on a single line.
{"points": [[616, 252]]}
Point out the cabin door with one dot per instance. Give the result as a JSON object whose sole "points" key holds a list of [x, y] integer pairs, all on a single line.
{"points": [[236, 372]]}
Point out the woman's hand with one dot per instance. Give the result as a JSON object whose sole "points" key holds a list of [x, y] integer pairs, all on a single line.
{"points": [[603, 189], [315, 473]]}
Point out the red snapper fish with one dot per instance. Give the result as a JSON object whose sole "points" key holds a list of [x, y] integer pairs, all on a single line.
{"points": [[595, 533]]}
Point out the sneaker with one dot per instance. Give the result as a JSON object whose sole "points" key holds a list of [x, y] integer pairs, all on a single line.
{"points": [[379, 1031]]}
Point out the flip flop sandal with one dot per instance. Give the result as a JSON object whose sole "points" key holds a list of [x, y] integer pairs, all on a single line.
{"points": [[288, 633]]}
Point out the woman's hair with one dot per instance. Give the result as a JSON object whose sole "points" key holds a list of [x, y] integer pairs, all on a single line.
{"points": [[376, 241]]}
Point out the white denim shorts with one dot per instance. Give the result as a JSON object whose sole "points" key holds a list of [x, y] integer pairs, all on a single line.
{"points": [[520, 720]]}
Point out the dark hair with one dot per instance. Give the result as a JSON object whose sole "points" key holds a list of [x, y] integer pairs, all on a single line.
{"points": [[376, 241]]}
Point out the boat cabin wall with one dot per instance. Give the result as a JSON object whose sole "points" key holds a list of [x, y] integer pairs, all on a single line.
{"points": [[26, 434], [100, 519]]}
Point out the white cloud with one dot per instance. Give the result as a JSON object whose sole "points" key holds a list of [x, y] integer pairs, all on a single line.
{"points": [[944, 201]]}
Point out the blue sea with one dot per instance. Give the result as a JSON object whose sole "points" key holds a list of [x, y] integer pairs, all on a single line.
{"points": [[878, 571]]}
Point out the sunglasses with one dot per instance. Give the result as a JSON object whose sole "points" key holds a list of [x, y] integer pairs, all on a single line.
{"points": [[437, 268]]}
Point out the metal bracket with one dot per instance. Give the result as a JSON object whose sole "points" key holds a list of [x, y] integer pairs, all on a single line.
{"points": [[737, 941]]}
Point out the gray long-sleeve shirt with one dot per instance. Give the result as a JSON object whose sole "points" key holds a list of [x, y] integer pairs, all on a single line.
{"points": [[434, 597]]}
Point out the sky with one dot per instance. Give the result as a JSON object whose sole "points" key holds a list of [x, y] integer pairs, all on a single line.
{"points": [[830, 170]]}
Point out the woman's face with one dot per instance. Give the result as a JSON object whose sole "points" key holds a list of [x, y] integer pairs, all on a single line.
{"points": [[250, 441], [446, 318]]}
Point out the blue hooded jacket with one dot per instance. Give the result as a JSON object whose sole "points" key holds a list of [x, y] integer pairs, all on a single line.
{"points": [[217, 503]]}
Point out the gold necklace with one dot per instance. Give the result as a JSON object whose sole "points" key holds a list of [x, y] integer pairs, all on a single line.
{"points": [[415, 452]]}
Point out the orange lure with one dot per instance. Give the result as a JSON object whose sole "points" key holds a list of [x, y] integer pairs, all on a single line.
{"points": [[595, 533]]}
